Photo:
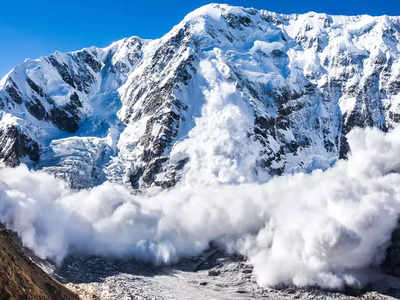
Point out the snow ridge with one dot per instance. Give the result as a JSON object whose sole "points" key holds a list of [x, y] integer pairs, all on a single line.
{"points": [[256, 93]]}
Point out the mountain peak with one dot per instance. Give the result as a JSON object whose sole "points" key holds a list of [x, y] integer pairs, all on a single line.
{"points": [[142, 99]]}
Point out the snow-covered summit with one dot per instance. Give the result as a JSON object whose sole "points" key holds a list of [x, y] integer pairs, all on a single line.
{"points": [[229, 95]]}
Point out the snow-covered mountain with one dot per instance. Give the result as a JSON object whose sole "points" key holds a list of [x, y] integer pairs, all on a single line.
{"points": [[229, 95]]}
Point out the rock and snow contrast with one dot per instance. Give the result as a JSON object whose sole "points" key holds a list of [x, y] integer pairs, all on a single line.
{"points": [[252, 93], [213, 111]]}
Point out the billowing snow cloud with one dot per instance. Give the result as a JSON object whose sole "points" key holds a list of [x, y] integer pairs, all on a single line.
{"points": [[304, 229]]}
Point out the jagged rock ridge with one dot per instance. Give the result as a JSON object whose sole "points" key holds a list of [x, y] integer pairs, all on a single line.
{"points": [[129, 112]]}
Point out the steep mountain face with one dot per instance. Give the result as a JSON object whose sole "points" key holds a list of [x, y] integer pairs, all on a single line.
{"points": [[59, 113], [229, 95]]}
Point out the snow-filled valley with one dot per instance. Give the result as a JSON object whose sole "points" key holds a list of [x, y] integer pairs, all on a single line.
{"points": [[273, 136]]}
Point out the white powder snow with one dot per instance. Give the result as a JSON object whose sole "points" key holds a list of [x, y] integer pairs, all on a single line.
{"points": [[313, 229]]}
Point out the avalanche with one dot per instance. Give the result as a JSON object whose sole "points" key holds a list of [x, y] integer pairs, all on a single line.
{"points": [[315, 229], [128, 113], [166, 145]]}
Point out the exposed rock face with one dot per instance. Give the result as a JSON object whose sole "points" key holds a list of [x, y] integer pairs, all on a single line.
{"points": [[20, 278], [14, 145], [45, 102], [304, 81]]}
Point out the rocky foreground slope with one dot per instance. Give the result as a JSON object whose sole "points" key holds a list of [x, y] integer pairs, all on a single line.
{"points": [[20, 278]]}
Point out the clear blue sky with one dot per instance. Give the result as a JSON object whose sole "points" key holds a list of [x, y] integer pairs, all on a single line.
{"points": [[34, 28]]}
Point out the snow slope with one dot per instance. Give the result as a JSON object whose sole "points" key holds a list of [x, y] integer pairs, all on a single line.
{"points": [[242, 94]]}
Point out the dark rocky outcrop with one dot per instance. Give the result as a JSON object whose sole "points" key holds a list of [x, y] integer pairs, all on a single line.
{"points": [[12, 91], [21, 279], [65, 118], [391, 264], [36, 109], [15, 145]]}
